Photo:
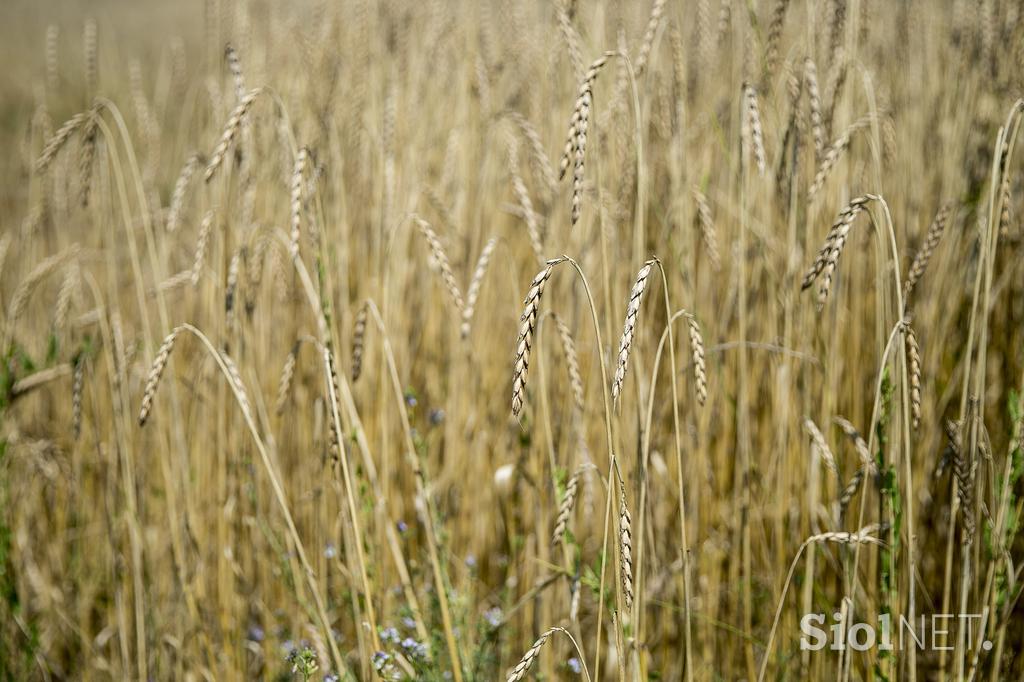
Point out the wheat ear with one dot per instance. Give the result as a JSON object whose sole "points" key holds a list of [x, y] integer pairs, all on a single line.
{"points": [[284, 385], [230, 132], [298, 170], [527, 327], [180, 188], [87, 156], [439, 255], [571, 361], [359, 340], [834, 153], [846, 496], [626, 546], [537, 154], [707, 229], [914, 367], [59, 139], [859, 444], [819, 442], [752, 119], [155, 372], [924, 254], [814, 102], [700, 375], [77, 383], [828, 258], [647, 42], [519, 673], [568, 503], [576, 140], [632, 312], [205, 229], [523, 197], [475, 284]]}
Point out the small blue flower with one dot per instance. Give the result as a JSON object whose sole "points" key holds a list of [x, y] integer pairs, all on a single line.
{"points": [[390, 635], [408, 623], [402, 526], [471, 560], [380, 659], [436, 416], [410, 399], [574, 665], [330, 551], [255, 633], [493, 616]]}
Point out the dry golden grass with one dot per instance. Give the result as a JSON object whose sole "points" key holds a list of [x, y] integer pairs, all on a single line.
{"points": [[323, 480]]}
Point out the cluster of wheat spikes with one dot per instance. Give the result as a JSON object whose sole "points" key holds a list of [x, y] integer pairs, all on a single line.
{"points": [[270, 273]]}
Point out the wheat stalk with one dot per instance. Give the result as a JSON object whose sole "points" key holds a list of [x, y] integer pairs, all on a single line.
{"points": [[632, 312]]}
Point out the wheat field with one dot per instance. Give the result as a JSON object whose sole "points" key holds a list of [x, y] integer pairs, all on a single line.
{"points": [[567, 339]]}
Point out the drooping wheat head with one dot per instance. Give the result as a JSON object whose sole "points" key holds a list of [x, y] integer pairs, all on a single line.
{"points": [[527, 327], [924, 254], [828, 258], [476, 283], [156, 371], [629, 328]]}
